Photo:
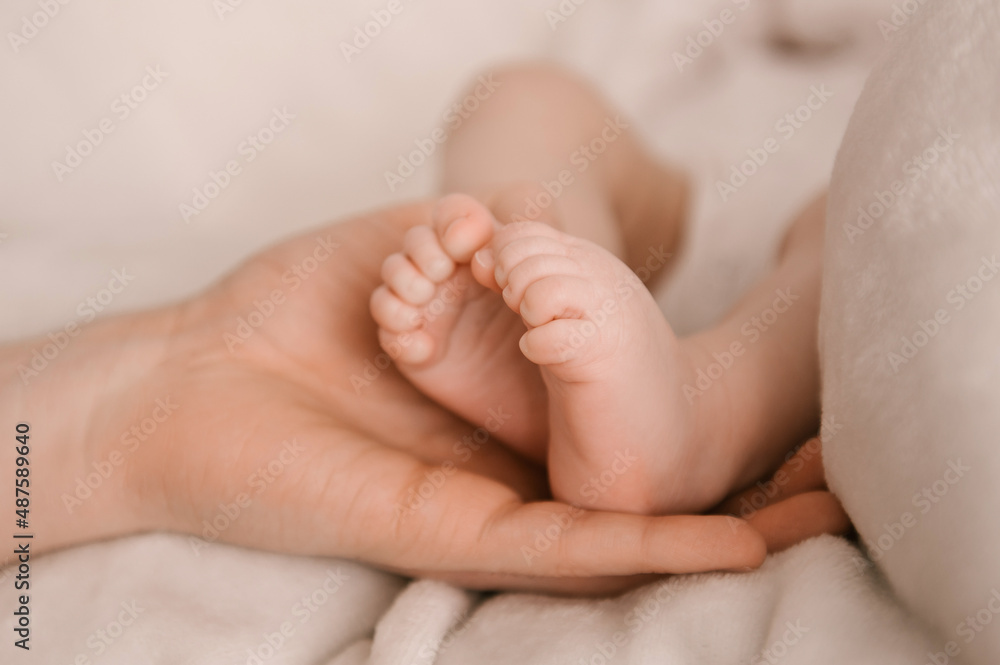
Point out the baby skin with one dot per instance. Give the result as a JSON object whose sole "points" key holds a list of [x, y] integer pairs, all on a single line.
{"points": [[528, 307], [540, 332]]}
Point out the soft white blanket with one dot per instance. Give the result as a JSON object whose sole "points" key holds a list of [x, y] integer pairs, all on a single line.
{"points": [[911, 323], [153, 599]]}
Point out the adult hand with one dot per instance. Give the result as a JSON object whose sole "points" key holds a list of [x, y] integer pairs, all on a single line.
{"points": [[263, 413], [793, 504]]}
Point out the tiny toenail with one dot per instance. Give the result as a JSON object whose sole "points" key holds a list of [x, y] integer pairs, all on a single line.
{"points": [[508, 292], [484, 257], [440, 266], [424, 289], [452, 225]]}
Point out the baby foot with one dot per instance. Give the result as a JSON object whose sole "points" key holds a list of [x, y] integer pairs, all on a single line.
{"points": [[454, 339], [621, 434]]}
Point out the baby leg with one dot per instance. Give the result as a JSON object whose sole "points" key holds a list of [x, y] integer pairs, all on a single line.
{"points": [[577, 166]]}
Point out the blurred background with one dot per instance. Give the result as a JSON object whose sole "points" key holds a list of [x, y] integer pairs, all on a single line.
{"points": [[169, 141], [116, 114]]}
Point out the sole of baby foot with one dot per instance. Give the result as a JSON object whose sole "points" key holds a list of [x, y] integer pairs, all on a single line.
{"points": [[455, 339], [623, 435]]}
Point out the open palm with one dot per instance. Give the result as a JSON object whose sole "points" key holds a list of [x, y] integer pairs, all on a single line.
{"points": [[290, 431]]}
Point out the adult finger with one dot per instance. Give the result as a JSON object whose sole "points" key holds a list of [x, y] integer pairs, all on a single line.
{"points": [[803, 472], [566, 586], [471, 524], [799, 518]]}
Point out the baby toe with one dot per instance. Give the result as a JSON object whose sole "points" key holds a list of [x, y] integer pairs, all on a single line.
{"points": [[406, 281], [484, 269], [534, 268], [463, 225], [422, 247], [411, 348], [552, 298], [391, 313], [554, 343], [513, 253]]}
